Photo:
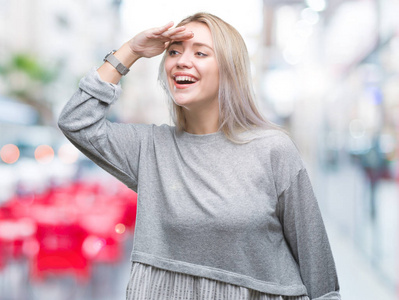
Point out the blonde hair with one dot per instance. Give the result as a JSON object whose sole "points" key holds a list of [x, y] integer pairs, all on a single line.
{"points": [[237, 110]]}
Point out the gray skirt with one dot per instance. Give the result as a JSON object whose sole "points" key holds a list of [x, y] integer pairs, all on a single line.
{"points": [[151, 283]]}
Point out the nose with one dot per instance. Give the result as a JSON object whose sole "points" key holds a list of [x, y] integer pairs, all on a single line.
{"points": [[184, 61]]}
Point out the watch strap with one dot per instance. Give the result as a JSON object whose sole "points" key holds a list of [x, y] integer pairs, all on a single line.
{"points": [[110, 57]]}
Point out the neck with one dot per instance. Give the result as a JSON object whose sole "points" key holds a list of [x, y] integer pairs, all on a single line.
{"points": [[202, 122]]}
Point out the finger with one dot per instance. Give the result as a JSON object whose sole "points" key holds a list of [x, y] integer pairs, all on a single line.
{"points": [[164, 28], [172, 32], [182, 36], [178, 35]]}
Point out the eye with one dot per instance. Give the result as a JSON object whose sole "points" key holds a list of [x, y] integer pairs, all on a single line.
{"points": [[173, 52], [201, 54]]}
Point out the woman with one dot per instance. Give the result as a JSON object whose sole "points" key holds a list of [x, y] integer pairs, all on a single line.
{"points": [[225, 206]]}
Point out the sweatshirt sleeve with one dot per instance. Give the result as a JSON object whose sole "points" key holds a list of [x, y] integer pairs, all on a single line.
{"points": [[114, 147], [305, 233]]}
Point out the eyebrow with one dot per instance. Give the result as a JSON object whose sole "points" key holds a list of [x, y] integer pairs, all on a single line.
{"points": [[195, 44]]}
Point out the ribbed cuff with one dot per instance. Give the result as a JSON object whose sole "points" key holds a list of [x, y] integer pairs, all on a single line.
{"points": [[104, 91]]}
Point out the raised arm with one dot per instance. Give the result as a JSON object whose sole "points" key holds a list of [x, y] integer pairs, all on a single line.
{"points": [[114, 147]]}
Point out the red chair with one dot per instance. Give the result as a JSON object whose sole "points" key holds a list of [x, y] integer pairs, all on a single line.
{"points": [[60, 252]]}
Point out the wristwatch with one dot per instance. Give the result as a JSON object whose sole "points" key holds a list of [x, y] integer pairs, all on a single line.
{"points": [[116, 63]]}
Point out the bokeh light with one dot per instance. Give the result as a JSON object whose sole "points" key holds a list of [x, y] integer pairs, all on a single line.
{"points": [[120, 228], [92, 245], [68, 154], [44, 154], [9, 153]]}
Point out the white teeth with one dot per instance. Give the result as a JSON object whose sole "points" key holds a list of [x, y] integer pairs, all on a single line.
{"points": [[185, 78]]}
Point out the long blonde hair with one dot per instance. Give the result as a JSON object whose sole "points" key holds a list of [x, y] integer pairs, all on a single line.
{"points": [[237, 110]]}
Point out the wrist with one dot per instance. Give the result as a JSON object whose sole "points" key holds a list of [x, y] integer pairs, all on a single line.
{"points": [[126, 55]]}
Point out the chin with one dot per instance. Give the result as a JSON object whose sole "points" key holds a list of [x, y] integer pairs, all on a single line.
{"points": [[181, 101], [181, 104]]}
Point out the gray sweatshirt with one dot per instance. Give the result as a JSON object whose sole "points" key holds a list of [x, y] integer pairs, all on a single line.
{"points": [[244, 214]]}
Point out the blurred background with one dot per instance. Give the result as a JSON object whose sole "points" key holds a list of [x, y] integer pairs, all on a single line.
{"points": [[325, 70]]}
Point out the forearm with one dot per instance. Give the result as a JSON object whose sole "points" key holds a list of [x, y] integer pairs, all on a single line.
{"points": [[126, 56]]}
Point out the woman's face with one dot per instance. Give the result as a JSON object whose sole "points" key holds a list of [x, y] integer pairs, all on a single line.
{"points": [[192, 69]]}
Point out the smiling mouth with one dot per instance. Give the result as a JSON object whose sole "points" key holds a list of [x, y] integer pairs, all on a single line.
{"points": [[185, 80]]}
